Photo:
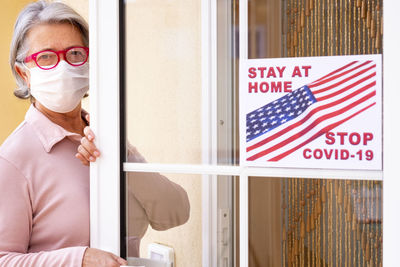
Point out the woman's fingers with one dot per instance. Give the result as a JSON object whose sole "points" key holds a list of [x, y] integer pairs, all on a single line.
{"points": [[82, 159], [90, 147], [98, 258], [86, 154], [120, 260], [87, 151], [88, 133]]}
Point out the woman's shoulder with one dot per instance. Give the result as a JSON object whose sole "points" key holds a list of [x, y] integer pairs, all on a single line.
{"points": [[20, 143], [10, 151]]}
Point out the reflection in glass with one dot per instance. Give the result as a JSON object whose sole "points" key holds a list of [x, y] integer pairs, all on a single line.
{"points": [[320, 222], [164, 209], [155, 200]]}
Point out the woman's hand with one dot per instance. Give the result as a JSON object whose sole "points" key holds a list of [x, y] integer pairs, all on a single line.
{"points": [[99, 258], [87, 151]]}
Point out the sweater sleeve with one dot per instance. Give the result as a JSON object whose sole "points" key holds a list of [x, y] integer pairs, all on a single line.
{"points": [[16, 226], [165, 203]]}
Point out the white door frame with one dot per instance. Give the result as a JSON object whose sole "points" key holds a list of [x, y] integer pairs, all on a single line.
{"points": [[104, 107]]}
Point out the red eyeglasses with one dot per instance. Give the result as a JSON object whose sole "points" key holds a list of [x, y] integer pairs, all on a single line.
{"points": [[48, 59]]}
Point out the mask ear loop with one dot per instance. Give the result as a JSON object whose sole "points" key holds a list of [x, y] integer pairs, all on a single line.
{"points": [[22, 63], [26, 67]]}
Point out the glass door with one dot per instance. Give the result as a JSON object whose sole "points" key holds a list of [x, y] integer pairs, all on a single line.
{"points": [[179, 164]]}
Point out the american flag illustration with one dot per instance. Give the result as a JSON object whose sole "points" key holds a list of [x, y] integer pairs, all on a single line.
{"points": [[283, 126]]}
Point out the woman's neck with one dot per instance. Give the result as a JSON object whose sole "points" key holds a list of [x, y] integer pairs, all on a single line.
{"points": [[71, 121]]}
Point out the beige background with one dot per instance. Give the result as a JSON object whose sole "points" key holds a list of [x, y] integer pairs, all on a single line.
{"points": [[12, 109]]}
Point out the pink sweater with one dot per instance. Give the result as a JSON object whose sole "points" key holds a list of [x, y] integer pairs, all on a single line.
{"points": [[44, 198]]}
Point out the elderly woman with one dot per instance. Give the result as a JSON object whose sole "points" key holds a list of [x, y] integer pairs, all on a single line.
{"points": [[44, 188]]}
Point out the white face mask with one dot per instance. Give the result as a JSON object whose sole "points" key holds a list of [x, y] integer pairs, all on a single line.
{"points": [[60, 89]]}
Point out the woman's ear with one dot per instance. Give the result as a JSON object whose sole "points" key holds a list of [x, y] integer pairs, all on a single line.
{"points": [[23, 73]]}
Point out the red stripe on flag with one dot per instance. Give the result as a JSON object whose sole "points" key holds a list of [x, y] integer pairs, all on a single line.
{"points": [[336, 71], [338, 92], [339, 75], [343, 81]]}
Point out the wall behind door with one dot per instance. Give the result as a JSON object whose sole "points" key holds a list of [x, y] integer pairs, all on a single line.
{"points": [[81, 6], [12, 109]]}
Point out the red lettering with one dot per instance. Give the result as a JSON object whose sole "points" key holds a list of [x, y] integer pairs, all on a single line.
{"points": [[264, 87], [318, 153], [328, 154], [281, 70], [330, 140], [342, 135], [356, 141], [252, 73], [337, 154], [276, 87], [306, 153], [296, 72], [253, 87], [344, 154], [367, 137], [271, 73], [306, 69], [262, 69], [287, 87]]}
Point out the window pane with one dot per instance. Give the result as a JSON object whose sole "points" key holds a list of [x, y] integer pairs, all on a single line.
{"points": [[314, 222], [164, 106], [167, 209], [163, 75]]}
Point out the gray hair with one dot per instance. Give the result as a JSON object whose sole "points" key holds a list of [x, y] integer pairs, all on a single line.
{"points": [[40, 12]]}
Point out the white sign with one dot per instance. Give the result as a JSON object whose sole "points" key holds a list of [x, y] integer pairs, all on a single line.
{"points": [[314, 112]]}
